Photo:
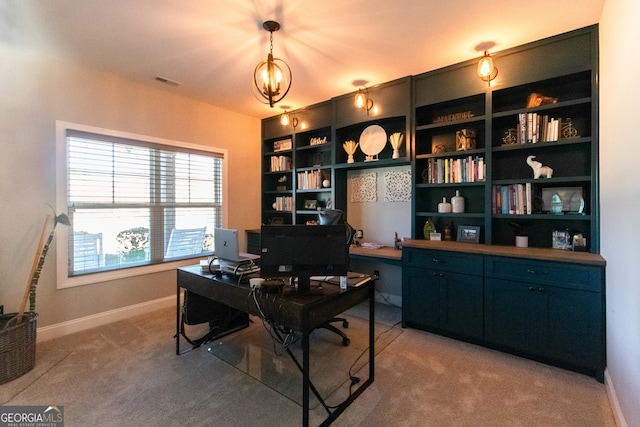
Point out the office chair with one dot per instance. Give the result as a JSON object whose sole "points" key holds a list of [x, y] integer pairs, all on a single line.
{"points": [[333, 217], [345, 324]]}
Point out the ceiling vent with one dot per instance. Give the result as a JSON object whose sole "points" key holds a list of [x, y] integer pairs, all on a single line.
{"points": [[167, 81]]}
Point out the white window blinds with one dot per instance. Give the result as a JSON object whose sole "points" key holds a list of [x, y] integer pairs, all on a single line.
{"points": [[136, 203]]}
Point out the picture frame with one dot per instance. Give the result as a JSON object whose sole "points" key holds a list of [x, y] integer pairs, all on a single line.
{"points": [[468, 234], [561, 239], [310, 204], [572, 199]]}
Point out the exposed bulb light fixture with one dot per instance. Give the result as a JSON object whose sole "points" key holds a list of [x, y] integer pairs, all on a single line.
{"points": [[362, 100], [486, 70], [289, 118], [271, 78]]}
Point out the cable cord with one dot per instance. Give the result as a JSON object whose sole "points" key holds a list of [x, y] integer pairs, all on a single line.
{"points": [[354, 379]]}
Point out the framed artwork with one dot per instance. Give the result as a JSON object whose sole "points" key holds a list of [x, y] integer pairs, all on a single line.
{"points": [[468, 234], [561, 240], [310, 204]]}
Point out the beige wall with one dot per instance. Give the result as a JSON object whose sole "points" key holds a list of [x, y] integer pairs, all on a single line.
{"points": [[36, 91], [620, 198]]}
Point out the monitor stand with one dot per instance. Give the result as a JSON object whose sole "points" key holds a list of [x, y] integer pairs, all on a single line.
{"points": [[304, 287]]}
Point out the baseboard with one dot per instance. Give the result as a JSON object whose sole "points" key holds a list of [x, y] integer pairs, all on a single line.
{"points": [[613, 401], [82, 324]]}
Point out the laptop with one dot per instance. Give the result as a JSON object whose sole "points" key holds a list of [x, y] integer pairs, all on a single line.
{"points": [[226, 247]]}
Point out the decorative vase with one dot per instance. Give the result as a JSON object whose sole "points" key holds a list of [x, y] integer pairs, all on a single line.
{"points": [[444, 207], [457, 203], [522, 241], [447, 232], [396, 153], [428, 229], [350, 158]]}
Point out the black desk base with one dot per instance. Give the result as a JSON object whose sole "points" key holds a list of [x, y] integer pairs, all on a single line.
{"points": [[302, 313]]}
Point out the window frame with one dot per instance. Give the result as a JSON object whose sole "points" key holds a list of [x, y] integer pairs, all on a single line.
{"points": [[62, 233]]}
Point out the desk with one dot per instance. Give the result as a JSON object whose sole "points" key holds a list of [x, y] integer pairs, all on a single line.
{"points": [[300, 312]]}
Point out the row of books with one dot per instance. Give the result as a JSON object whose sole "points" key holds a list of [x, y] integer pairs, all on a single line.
{"points": [[280, 163], [455, 170], [284, 203], [309, 180], [513, 199], [534, 128]]}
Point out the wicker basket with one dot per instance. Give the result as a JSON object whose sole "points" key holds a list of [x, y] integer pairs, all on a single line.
{"points": [[17, 345]]}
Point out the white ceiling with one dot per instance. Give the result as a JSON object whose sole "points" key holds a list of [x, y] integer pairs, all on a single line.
{"points": [[212, 46]]}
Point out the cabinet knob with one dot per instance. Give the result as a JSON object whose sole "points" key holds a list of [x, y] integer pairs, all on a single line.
{"points": [[436, 260], [533, 288], [535, 272]]}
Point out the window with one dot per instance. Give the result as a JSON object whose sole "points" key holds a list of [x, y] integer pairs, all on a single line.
{"points": [[135, 202]]}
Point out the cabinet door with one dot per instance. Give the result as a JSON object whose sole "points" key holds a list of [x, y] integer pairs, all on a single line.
{"points": [[514, 314], [420, 298], [559, 323], [573, 326], [443, 301], [461, 304]]}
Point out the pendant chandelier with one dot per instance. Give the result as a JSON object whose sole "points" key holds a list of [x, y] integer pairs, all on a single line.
{"points": [[271, 78]]}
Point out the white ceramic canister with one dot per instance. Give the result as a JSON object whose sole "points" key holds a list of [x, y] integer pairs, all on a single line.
{"points": [[457, 203], [444, 207]]}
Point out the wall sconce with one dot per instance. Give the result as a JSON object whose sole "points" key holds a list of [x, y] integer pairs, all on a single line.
{"points": [[362, 100], [271, 78], [289, 118], [486, 70]]}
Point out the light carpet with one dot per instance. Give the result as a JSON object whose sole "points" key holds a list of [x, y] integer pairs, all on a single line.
{"points": [[255, 352], [127, 374]]}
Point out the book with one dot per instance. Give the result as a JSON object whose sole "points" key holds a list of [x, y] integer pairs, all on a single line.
{"points": [[504, 199]]}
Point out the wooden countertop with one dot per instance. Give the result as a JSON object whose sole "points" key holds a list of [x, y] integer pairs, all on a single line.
{"points": [[545, 254], [384, 252]]}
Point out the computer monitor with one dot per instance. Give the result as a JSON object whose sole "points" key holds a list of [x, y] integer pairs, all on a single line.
{"points": [[303, 251]]}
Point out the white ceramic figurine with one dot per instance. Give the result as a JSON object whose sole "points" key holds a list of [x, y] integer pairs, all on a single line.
{"points": [[538, 169]]}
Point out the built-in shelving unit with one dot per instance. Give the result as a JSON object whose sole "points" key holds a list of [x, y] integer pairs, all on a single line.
{"points": [[508, 122], [318, 176], [463, 135]]}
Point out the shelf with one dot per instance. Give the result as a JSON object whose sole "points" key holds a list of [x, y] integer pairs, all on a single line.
{"points": [[313, 190], [277, 192], [374, 163], [450, 215], [545, 217], [465, 153], [544, 108], [543, 181], [542, 145], [454, 124], [452, 184], [324, 147]]}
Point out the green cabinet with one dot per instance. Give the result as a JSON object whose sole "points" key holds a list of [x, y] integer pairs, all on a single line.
{"points": [[546, 309], [442, 292]]}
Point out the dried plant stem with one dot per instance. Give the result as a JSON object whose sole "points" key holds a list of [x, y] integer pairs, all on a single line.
{"points": [[34, 266]]}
